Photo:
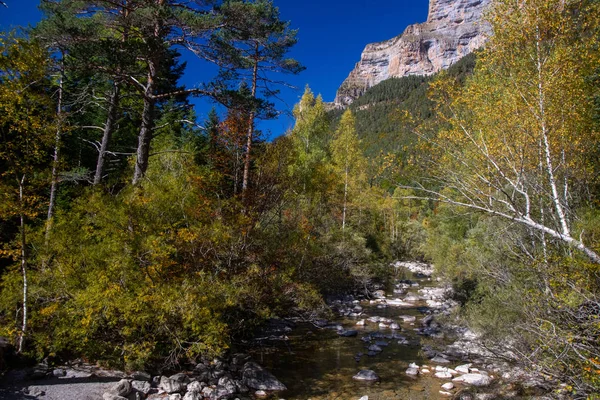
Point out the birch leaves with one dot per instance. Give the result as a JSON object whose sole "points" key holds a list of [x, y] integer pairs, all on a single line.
{"points": [[521, 132]]}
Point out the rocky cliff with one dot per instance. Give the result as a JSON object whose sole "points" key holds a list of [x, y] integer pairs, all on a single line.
{"points": [[454, 28]]}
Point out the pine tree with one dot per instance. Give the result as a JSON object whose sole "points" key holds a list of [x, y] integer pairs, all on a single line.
{"points": [[251, 47]]}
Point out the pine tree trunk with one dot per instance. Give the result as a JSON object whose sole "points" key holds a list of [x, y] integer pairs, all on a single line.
{"points": [[250, 135], [145, 135], [108, 132]]}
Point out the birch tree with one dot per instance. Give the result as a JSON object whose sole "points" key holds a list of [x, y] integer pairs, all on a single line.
{"points": [[520, 141], [26, 134], [348, 161]]}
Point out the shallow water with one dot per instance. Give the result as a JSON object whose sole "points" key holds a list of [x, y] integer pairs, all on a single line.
{"points": [[318, 364]]}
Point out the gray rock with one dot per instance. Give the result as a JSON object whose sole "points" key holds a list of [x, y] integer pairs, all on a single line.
{"points": [[408, 318], [448, 386], [260, 393], [375, 348], [476, 379], [226, 388], [141, 376], [196, 386], [141, 386], [463, 369], [208, 392], [348, 333], [58, 372], [175, 396], [171, 385], [364, 398], [192, 396], [180, 377], [40, 371], [122, 388], [256, 377], [77, 373], [412, 372], [440, 360], [394, 326], [366, 375]]}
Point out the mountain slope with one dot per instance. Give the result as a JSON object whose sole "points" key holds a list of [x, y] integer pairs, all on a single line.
{"points": [[454, 28]]}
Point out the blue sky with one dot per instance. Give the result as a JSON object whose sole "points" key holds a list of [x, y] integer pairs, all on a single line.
{"points": [[332, 35]]}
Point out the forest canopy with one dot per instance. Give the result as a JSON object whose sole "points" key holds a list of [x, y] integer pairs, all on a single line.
{"points": [[136, 234]]}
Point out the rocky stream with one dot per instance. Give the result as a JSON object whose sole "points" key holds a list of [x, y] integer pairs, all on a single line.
{"points": [[394, 345]]}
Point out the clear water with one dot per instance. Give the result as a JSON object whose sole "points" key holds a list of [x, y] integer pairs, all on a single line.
{"points": [[318, 364]]}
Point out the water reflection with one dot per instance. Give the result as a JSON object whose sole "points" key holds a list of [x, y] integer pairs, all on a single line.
{"points": [[318, 364]]}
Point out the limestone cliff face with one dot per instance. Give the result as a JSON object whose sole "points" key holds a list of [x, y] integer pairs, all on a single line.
{"points": [[454, 28]]}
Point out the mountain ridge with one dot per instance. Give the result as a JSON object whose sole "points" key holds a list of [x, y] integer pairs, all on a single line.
{"points": [[454, 29]]}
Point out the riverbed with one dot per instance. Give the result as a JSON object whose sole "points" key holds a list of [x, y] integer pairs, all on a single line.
{"points": [[317, 363]]}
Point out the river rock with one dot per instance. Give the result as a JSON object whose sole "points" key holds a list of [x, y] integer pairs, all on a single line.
{"points": [[170, 385], [256, 377], [408, 318], [260, 393], [366, 375], [444, 393], [379, 294], [394, 326], [425, 371], [463, 369], [361, 323], [175, 396], [192, 396], [440, 360], [196, 386], [443, 375], [141, 376], [348, 333], [448, 386], [141, 386], [412, 372], [122, 388], [399, 303], [375, 348], [364, 398], [225, 389], [474, 379]]}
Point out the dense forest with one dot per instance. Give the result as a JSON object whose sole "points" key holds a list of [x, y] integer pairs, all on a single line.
{"points": [[135, 234]]}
